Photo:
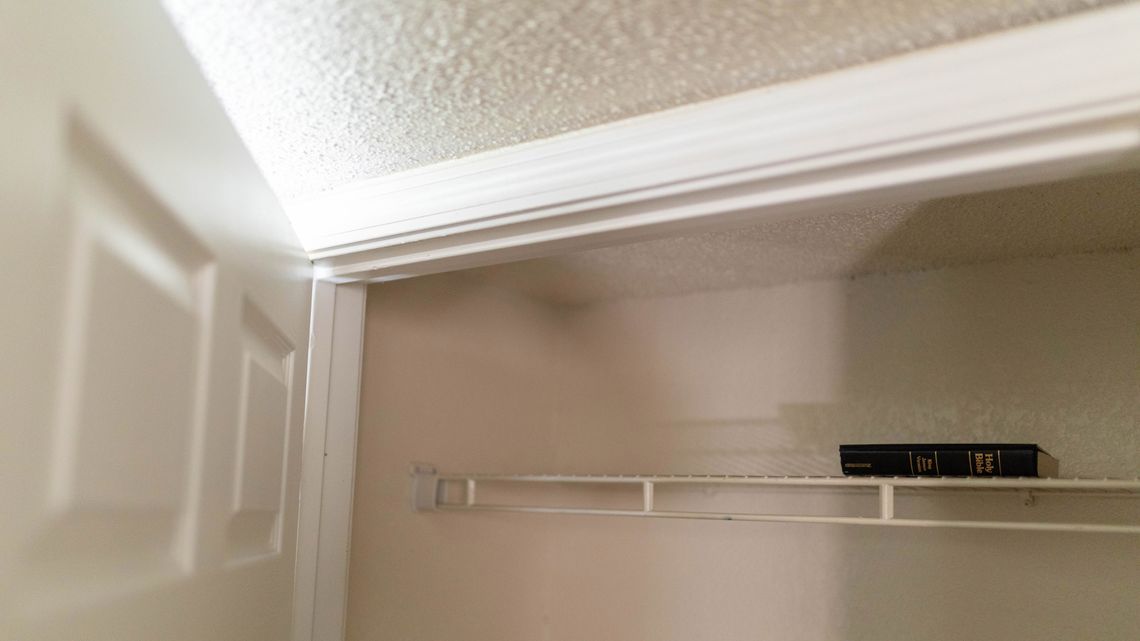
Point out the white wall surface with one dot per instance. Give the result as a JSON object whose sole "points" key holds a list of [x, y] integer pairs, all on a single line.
{"points": [[753, 381]]}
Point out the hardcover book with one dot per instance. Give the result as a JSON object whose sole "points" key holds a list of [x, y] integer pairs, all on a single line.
{"points": [[947, 459]]}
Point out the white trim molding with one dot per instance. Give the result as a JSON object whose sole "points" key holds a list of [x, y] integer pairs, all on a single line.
{"points": [[328, 467], [1028, 105]]}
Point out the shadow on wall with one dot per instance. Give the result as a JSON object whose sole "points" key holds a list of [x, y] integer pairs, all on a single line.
{"points": [[448, 377], [1036, 349]]}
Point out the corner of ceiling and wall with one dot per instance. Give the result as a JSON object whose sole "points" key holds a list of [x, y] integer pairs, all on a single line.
{"points": [[378, 98]]}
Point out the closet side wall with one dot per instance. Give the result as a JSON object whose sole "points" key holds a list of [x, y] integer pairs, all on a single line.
{"points": [[459, 376]]}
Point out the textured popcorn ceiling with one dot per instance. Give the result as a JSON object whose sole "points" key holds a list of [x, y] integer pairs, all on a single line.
{"points": [[329, 92], [1090, 214]]}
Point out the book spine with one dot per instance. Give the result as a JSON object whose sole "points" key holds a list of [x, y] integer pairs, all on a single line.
{"points": [[939, 462]]}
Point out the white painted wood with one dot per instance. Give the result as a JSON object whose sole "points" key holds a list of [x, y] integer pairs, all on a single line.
{"points": [[329, 461], [154, 343], [313, 458], [1023, 106]]}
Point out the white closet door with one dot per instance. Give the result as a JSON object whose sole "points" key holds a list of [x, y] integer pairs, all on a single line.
{"points": [[153, 342]]}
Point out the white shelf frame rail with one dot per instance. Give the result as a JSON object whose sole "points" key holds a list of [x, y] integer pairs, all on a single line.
{"points": [[428, 496]]}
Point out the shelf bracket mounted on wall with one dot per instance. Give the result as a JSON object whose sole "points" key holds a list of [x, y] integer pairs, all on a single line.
{"points": [[425, 487]]}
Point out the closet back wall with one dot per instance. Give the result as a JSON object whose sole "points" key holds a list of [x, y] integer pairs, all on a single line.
{"points": [[474, 377]]}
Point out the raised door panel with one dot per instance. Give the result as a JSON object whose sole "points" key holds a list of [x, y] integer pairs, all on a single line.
{"points": [[267, 363], [154, 343], [129, 389]]}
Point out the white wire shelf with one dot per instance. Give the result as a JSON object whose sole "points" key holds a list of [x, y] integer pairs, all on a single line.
{"points": [[429, 495]]}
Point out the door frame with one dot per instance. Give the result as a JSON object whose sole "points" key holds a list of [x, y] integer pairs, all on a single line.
{"points": [[328, 460], [1082, 116]]}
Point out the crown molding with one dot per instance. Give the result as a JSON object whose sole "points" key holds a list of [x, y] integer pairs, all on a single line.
{"points": [[1029, 105]]}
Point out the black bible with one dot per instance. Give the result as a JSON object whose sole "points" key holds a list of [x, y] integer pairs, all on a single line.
{"points": [[947, 459]]}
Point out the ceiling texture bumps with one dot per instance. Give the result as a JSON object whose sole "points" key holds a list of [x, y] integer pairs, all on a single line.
{"points": [[331, 92]]}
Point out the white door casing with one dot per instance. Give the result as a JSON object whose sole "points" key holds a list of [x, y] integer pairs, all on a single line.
{"points": [[154, 343]]}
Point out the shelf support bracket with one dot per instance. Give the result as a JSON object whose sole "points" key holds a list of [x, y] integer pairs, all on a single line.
{"points": [[886, 502], [647, 496], [425, 487]]}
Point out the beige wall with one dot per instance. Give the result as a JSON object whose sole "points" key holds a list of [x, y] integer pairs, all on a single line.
{"points": [[452, 376], [759, 381]]}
